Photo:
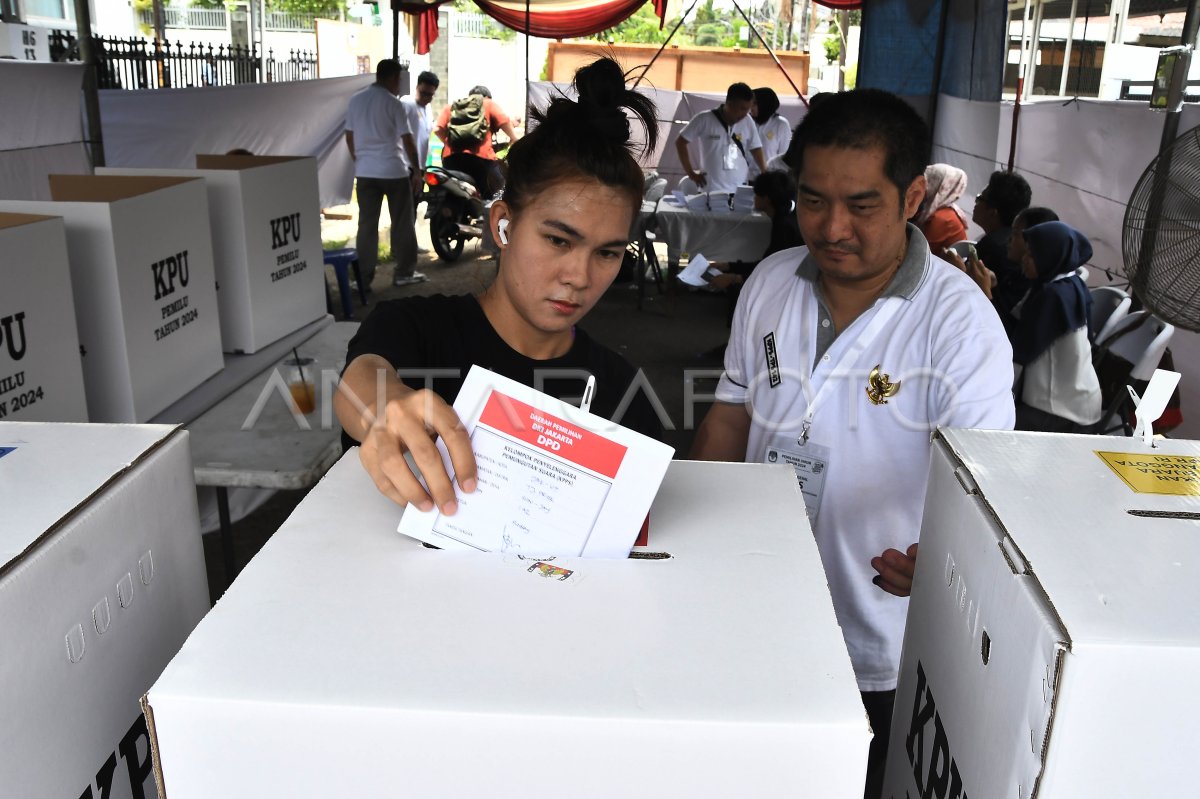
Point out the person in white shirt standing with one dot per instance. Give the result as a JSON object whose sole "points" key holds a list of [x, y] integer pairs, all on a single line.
{"points": [[728, 142], [420, 119], [383, 146], [773, 129], [844, 356]]}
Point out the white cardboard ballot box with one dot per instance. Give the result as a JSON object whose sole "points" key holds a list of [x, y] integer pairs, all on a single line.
{"points": [[145, 297], [349, 660], [1053, 636], [101, 579], [266, 227], [41, 378]]}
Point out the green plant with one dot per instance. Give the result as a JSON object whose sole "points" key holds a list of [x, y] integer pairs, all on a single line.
{"points": [[708, 35], [832, 44]]}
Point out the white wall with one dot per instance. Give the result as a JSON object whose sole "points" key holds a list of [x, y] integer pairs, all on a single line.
{"points": [[498, 65]]}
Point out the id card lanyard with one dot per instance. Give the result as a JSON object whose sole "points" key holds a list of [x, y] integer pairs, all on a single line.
{"points": [[882, 316]]}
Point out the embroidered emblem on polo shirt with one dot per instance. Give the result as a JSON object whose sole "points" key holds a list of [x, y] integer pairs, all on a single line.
{"points": [[880, 386], [772, 359]]}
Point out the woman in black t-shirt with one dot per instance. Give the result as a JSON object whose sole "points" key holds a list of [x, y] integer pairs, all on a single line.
{"points": [[562, 226]]}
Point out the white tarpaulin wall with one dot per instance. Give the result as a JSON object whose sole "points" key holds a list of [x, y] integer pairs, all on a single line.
{"points": [[1082, 158], [675, 109], [42, 130], [169, 127]]}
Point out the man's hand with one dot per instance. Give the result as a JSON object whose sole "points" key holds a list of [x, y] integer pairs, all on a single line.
{"points": [[725, 280], [411, 423], [895, 570], [699, 178], [416, 179]]}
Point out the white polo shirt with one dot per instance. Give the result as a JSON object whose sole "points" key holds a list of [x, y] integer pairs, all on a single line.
{"points": [[420, 121], [725, 168], [379, 123], [935, 335], [776, 135]]}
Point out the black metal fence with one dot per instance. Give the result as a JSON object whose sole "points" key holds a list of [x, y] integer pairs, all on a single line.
{"points": [[137, 63]]}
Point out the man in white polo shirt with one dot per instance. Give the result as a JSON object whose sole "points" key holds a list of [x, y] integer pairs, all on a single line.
{"points": [[420, 119], [845, 355], [380, 139], [727, 139]]}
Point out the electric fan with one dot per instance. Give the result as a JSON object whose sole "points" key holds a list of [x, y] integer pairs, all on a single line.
{"points": [[1161, 237]]}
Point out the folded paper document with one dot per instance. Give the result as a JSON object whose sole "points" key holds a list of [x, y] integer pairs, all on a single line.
{"points": [[552, 479]]}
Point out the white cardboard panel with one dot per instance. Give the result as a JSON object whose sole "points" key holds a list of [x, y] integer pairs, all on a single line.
{"points": [[148, 336], [266, 228], [1086, 610], [718, 672], [103, 578], [41, 378]]}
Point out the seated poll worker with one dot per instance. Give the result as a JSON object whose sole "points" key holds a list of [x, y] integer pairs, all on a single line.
{"points": [[845, 355], [562, 226]]}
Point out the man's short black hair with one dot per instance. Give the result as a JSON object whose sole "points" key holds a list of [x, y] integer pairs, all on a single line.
{"points": [[739, 91], [387, 69], [429, 79], [1036, 215], [862, 119], [1008, 193]]}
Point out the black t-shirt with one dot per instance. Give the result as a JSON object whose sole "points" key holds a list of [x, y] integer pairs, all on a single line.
{"points": [[444, 336]]}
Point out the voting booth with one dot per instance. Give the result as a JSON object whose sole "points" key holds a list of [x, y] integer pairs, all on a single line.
{"points": [[1053, 640], [142, 279], [41, 378], [266, 227], [101, 579], [711, 665]]}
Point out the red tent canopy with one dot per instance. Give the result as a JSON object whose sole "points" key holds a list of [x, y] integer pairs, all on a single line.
{"points": [[548, 19]]}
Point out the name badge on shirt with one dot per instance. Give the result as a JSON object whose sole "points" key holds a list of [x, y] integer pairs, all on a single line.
{"points": [[731, 156], [811, 462]]}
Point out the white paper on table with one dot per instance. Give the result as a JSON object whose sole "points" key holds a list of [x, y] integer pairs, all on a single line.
{"points": [[693, 273], [743, 199], [551, 479], [679, 197]]}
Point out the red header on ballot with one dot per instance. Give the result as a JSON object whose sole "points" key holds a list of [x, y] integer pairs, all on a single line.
{"points": [[544, 431]]}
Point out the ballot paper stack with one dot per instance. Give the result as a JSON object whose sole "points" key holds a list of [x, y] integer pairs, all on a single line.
{"points": [[709, 666], [743, 200]]}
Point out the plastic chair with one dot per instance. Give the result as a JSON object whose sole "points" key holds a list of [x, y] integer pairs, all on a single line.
{"points": [[342, 261], [688, 186], [1109, 306], [655, 189], [1141, 339]]}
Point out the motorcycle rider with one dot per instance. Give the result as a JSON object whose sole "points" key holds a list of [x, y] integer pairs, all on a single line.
{"points": [[474, 155]]}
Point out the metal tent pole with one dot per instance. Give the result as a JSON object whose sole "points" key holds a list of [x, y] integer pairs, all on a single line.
{"points": [[91, 92]]}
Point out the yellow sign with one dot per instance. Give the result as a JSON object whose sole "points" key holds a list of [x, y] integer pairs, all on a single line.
{"points": [[1156, 474]]}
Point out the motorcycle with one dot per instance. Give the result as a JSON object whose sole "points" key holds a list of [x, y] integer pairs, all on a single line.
{"points": [[455, 210]]}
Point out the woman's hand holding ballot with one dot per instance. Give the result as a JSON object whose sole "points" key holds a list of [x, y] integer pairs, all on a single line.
{"points": [[409, 421]]}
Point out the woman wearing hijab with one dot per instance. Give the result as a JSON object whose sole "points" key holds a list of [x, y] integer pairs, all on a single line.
{"points": [[773, 129], [941, 221], [1057, 388]]}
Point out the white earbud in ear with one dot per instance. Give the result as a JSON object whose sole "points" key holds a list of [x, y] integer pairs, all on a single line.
{"points": [[502, 230]]}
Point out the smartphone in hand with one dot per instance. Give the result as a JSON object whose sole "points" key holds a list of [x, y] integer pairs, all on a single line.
{"points": [[973, 256]]}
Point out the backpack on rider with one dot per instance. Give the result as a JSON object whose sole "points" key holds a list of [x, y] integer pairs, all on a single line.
{"points": [[468, 123]]}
